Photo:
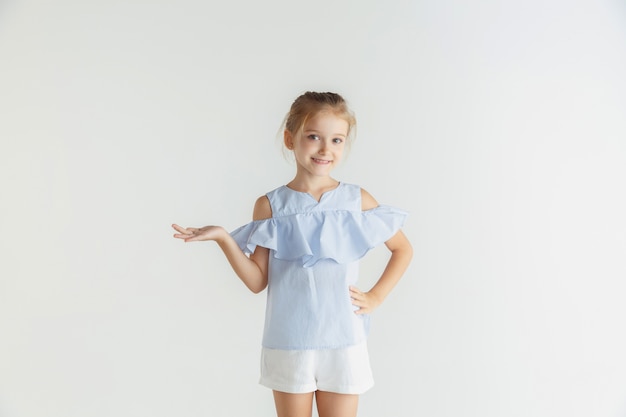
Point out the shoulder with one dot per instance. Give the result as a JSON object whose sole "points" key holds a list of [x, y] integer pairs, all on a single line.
{"points": [[262, 209], [367, 200]]}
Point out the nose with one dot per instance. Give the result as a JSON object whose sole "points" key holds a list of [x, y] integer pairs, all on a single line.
{"points": [[323, 146]]}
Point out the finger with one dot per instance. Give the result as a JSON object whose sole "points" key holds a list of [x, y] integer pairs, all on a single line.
{"points": [[180, 229], [363, 308], [359, 303], [183, 236], [191, 231], [356, 294]]}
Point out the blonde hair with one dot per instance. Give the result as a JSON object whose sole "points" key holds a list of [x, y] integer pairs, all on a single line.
{"points": [[310, 104]]}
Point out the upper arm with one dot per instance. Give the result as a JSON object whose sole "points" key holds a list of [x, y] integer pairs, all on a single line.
{"points": [[262, 210], [367, 201], [397, 241], [400, 242]]}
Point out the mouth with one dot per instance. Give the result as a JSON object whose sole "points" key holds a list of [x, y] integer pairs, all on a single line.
{"points": [[321, 161]]}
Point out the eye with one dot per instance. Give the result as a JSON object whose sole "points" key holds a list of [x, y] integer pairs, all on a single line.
{"points": [[337, 140], [313, 137]]}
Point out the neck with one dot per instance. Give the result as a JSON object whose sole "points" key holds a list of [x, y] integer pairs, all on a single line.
{"points": [[313, 185]]}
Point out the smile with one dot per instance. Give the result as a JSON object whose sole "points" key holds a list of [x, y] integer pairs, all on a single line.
{"points": [[321, 161]]}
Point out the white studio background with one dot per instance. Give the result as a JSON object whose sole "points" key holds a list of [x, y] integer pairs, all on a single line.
{"points": [[500, 126]]}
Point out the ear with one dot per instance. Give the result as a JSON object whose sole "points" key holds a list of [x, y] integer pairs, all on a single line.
{"points": [[288, 139]]}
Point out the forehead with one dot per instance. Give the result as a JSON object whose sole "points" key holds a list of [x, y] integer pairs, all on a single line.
{"points": [[327, 121]]}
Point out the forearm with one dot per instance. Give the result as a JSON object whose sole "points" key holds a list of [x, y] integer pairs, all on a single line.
{"points": [[252, 275], [397, 265], [252, 270]]}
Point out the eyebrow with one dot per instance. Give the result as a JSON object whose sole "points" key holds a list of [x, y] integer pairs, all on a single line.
{"points": [[317, 131]]}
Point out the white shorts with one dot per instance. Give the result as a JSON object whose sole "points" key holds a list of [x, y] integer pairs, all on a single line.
{"points": [[343, 371]]}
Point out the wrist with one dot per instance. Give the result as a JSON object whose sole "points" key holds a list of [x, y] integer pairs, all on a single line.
{"points": [[376, 298], [222, 236]]}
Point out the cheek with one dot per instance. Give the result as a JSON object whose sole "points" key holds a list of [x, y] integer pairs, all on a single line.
{"points": [[338, 154], [301, 151], [306, 146]]}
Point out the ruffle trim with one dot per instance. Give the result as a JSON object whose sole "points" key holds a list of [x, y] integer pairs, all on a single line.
{"points": [[340, 235]]}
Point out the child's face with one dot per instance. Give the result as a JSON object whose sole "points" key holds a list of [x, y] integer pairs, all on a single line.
{"points": [[319, 147]]}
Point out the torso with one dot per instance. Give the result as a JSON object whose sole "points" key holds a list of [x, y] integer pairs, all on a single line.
{"points": [[309, 307]]}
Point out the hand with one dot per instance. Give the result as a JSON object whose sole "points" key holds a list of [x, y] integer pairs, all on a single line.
{"points": [[193, 234], [366, 301]]}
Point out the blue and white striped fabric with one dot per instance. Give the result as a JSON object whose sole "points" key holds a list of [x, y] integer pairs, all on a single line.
{"points": [[314, 252]]}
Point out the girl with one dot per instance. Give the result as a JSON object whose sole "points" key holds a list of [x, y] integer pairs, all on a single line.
{"points": [[304, 244]]}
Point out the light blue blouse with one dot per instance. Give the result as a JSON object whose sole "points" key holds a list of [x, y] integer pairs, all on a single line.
{"points": [[314, 252]]}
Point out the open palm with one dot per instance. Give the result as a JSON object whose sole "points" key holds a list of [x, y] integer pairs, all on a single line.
{"points": [[193, 234]]}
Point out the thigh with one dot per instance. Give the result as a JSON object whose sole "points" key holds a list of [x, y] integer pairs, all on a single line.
{"points": [[331, 404], [290, 371], [293, 405], [344, 371]]}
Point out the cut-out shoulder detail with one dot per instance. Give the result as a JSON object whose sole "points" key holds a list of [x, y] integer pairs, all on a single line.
{"points": [[367, 201], [262, 209]]}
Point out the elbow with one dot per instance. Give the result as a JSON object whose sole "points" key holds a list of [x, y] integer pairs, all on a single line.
{"points": [[408, 248], [257, 290], [258, 287]]}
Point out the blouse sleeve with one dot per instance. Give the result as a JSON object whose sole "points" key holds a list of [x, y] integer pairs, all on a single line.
{"points": [[340, 235]]}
